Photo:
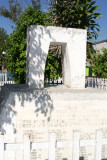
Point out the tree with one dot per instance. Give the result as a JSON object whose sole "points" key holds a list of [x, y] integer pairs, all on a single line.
{"points": [[16, 8], [3, 37], [76, 14], [91, 53], [100, 64], [16, 43], [53, 68]]}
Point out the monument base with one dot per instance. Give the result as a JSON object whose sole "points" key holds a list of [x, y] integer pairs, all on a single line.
{"points": [[60, 110]]}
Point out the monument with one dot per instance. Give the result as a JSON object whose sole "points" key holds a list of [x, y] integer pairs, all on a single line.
{"points": [[73, 42], [63, 122]]}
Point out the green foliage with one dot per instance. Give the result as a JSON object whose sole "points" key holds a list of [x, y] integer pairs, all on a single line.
{"points": [[100, 64], [76, 14], [16, 43], [53, 67], [91, 53], [3, 37], [16, 8]]}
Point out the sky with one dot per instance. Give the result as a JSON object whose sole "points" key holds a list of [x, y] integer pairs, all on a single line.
{"points": [[6, 23]]}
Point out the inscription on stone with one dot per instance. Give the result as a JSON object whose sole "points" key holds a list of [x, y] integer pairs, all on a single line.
{"points": [[104, 152], [87, 153], [40, 154]]}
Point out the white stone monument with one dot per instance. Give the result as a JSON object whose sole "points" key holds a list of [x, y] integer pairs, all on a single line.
{"points": [[55, 122], [73, 43]]}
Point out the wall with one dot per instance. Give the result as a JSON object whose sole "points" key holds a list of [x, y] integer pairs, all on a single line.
{"points": [[100, 45]]}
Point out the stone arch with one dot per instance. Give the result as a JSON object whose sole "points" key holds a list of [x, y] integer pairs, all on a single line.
{"points": [[66, 62], [73, 43]]}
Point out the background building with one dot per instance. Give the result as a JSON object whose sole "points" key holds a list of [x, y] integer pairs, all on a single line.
{"points": [[98, 46]]}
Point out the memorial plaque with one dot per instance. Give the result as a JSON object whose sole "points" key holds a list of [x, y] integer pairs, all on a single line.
{"points": [[104, 152], [39, 154], [87, 152], [35, 129], [82, 153], [104, 133], [87, 135], [64, 153]]}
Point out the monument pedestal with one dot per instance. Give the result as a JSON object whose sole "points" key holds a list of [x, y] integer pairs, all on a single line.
{"points": [[60, 110]]}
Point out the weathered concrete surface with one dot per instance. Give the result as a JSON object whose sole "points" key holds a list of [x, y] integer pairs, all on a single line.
{"points": [[99, 46], [73, 43], [53, 109]]}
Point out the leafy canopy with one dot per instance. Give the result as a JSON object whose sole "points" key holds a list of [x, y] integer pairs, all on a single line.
{"points": [[91, 53], [100, 64], [16, 44], [17, 7], [53, 68], [76, 14], [3, 37]]}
